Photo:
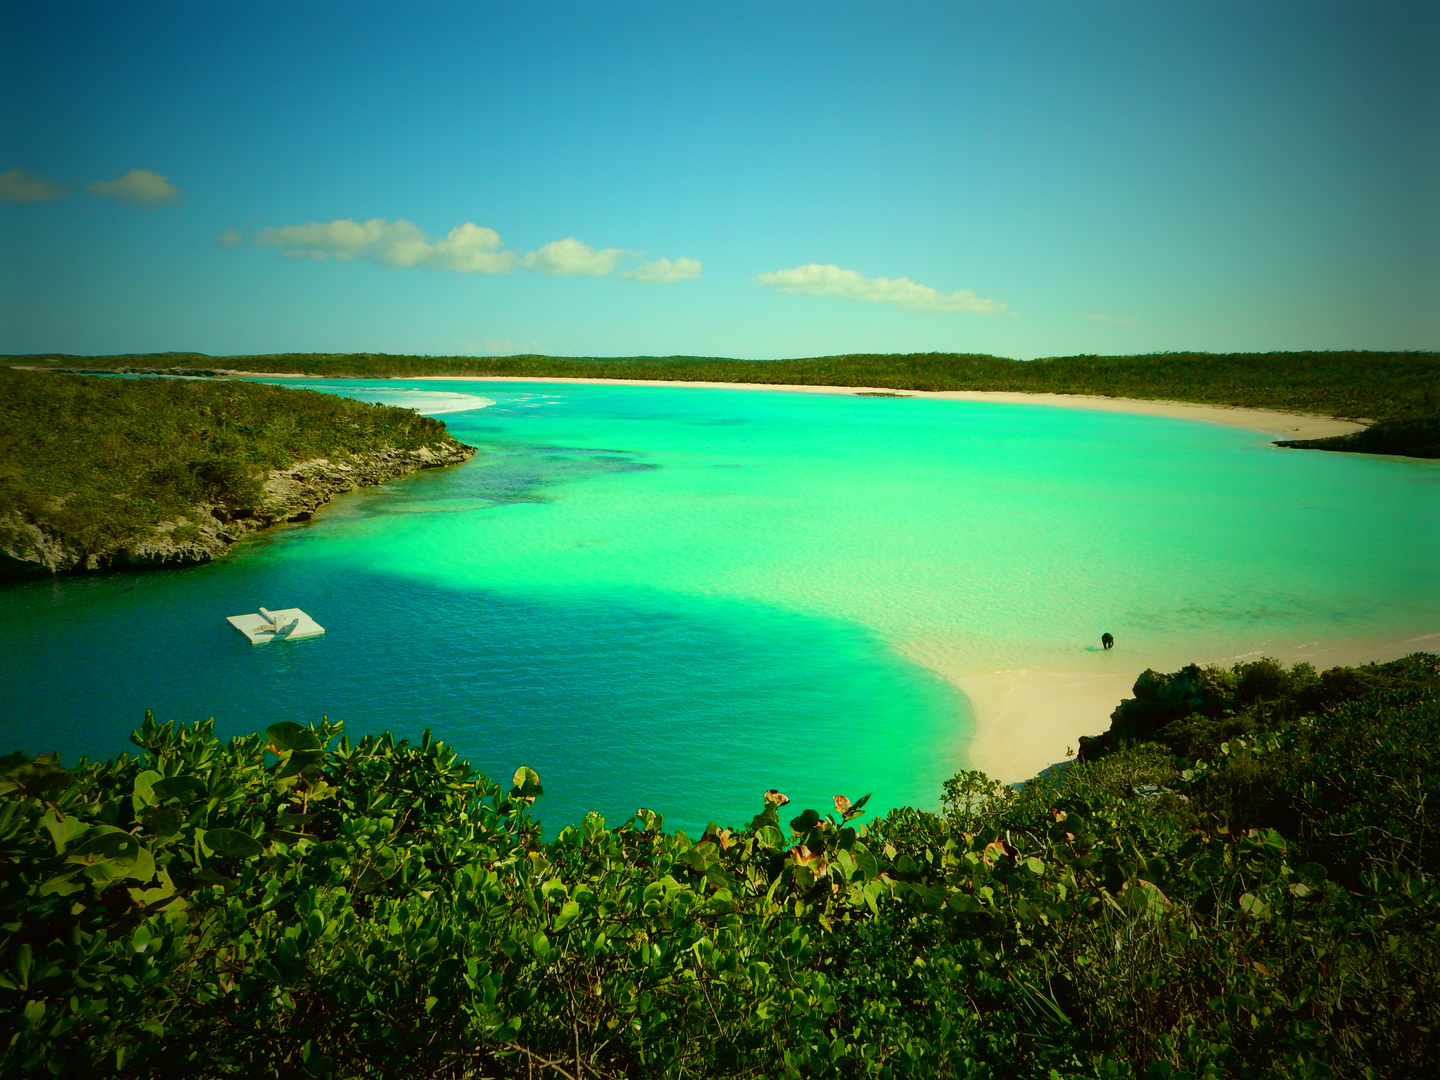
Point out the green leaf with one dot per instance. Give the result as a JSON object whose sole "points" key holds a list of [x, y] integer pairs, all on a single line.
{"points": [[964, 904], [144, 867], [38, 779], [288, 735], [805, 822], [526, 784], [298, 762], [163, 821], [62, 884], [24, 962], [1252, 905], [156, 895], [62, 829], [109, 845], [34, 1012], [231, 843], [568, 913], [770, 837], [143, 794], [184, 788]]}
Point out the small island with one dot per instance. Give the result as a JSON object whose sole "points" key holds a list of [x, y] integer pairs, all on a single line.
{"points": [[106, 473]]}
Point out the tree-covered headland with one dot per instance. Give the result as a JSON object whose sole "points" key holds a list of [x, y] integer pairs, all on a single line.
{"points": [[133, 470], [1237, 880]]}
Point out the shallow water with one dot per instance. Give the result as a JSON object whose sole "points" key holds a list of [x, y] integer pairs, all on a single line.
{"points": [[678, 598]]}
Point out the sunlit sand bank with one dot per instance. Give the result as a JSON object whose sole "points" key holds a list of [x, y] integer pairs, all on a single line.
{"points": [[1285, 425], [1029, 718]]}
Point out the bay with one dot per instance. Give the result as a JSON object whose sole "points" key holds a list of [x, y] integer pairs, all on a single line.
{"points": [[679, 597]]}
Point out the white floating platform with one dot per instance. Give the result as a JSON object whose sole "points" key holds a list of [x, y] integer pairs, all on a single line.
{"points": [[287, 624]]}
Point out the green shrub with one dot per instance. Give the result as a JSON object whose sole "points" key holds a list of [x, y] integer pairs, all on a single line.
{"points": [[99, 460], [295, 904]]}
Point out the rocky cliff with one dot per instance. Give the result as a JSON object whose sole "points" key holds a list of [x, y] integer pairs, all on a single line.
{"points": [[294, 494]]}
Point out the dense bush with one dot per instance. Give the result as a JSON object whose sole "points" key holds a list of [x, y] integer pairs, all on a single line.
{"points": [[296, 904], [100, 459], [1415, 437]]}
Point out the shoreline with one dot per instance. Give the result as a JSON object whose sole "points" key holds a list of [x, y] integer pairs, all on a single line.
{"points": [[1278, 422], [1027, 718], [1287, 425]]}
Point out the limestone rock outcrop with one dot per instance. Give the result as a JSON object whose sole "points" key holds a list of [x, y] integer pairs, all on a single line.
{"points": [[292, 494]]}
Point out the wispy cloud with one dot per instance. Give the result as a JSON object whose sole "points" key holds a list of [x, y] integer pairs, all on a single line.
{"points": [[816, 279], [23, 186], [465, 249], [663, 271], [230, 238], [139, 187], [569, 257], [1111, 318]]}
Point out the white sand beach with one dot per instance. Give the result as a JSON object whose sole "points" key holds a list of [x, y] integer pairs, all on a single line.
{"points": [[1283, 425], [1030, 718]]}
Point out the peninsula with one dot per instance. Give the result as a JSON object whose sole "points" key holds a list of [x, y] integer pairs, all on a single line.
{"points": [[100, 474]]}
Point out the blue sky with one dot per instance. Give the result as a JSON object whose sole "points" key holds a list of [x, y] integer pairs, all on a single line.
{"points": [[724, 179]]}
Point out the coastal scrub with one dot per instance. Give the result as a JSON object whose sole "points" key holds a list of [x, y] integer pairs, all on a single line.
{"points": [[97, 472], [294, 903]]}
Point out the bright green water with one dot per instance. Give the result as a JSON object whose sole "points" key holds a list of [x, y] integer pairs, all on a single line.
{"points": [[678, 598]]}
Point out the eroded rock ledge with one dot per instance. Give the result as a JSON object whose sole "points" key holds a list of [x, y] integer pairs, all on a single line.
{"points": [[292, 494]]}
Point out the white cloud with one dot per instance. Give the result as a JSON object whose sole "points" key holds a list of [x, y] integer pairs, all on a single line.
{"points": [[23, 186], [470, 249], [570, 256], [465, 249], [1110, 318], [229, 238], [139, 187], [663, 271], [815, 279]]}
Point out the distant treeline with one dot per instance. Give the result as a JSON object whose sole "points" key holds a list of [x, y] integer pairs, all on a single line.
{"points": [[95, 460], [1369, 385], [1239, 880]]}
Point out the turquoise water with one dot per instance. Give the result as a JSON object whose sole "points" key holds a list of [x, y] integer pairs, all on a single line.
{"points": [[677, 598]]}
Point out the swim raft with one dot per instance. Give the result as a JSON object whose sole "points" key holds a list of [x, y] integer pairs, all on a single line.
{"points": [[287, 624]]}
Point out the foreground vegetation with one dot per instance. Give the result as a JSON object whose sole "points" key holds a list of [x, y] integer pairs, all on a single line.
{"points": [[1369, 385], [1239, 880], [98, 462]]}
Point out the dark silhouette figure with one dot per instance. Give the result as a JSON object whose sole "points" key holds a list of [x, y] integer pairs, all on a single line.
{"points": [[1107, 641]]}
